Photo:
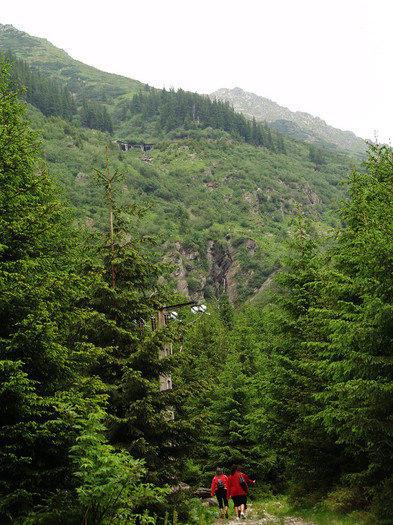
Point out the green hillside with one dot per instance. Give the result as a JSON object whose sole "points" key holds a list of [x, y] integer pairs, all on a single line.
{"points": [[45, 58], [222, 189]]}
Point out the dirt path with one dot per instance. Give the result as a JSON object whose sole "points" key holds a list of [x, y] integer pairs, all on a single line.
{"points": [[267, 519]]}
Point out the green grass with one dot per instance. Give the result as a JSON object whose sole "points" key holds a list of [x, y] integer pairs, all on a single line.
{"points": [[199, 514], [318, 514]]}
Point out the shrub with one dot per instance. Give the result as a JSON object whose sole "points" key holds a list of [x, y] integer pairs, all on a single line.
{"points": [[344, 500]]}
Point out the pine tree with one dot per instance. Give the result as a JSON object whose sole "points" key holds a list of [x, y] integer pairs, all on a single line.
{"points": [[228, 440], [38, 290], [231, 439], [126, 298], [356, 359], [305, 455]]}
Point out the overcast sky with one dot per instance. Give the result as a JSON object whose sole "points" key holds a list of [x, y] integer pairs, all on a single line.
{"points": [[331, 59]]}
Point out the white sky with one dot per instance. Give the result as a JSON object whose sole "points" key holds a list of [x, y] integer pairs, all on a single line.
{"points": [[331, 59]]}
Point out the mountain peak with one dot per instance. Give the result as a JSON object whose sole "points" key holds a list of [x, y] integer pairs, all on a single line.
{"points": [[299, 124], [7, 27]]}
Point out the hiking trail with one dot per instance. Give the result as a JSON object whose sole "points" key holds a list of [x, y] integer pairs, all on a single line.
{"points": [[267, 519]]}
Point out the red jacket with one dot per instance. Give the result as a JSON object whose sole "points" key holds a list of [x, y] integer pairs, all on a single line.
{"points": [[233, 486], [215, 483]]}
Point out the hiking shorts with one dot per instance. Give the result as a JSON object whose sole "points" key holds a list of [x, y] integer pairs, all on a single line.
{"points": [[240, 500]]}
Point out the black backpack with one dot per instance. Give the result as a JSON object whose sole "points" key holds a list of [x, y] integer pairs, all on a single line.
{"points": [[243, 484], [220, 484]]}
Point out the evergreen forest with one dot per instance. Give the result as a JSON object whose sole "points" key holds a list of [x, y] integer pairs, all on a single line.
{"points": [[180, 289]]}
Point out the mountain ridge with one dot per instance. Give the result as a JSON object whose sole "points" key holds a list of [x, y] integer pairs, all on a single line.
{"points": [[298, 124]]}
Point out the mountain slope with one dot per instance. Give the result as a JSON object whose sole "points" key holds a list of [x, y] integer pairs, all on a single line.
{"points": [[221, 207], [54, 62], [296, 124]]}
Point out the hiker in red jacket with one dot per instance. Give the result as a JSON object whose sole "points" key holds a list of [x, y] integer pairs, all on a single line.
{"points": [[237, 489], [219, 489]]}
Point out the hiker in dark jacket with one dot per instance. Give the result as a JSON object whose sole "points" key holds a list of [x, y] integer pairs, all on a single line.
{"points": [[219, 489], [237, 489]]}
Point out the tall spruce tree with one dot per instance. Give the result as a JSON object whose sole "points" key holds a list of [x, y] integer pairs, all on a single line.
{"points": [[38, 287], [227, 438], [300, 452], [125, 299], [220, 352], [357, 321]]}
